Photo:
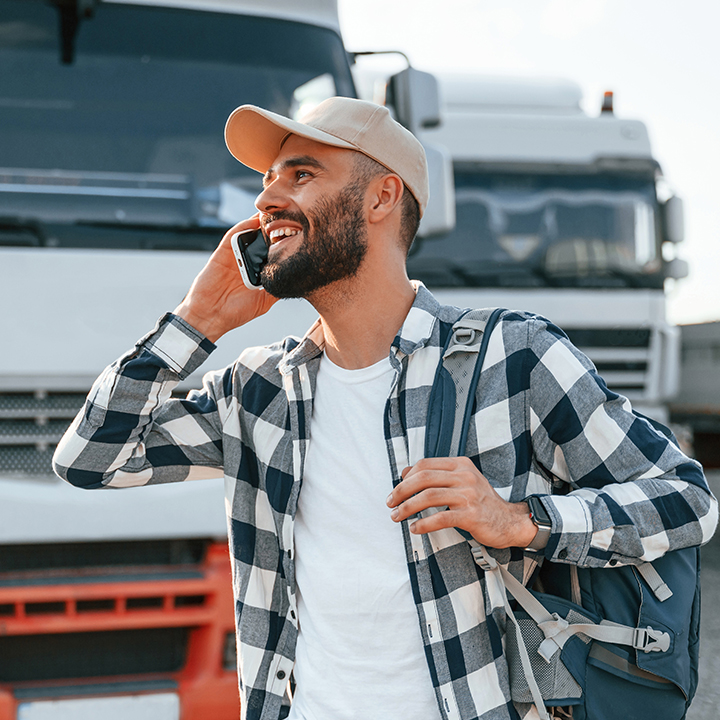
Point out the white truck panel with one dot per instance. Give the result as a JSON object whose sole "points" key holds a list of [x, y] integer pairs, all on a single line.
{"points": [[90, 306], [488, 93], [154, 706], [49, 510], [569, 307], [543, 139]]}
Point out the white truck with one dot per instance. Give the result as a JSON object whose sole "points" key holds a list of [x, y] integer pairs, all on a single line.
{"points": [[563, 214], [115, 185]]}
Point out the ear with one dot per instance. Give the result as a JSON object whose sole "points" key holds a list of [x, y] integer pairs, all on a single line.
{"points": [[384, 195]]}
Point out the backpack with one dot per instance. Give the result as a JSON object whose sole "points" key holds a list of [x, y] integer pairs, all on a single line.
{"points": [[609, 643]]}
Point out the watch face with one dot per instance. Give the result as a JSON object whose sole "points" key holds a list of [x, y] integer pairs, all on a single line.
{"points": [[538, 513]]}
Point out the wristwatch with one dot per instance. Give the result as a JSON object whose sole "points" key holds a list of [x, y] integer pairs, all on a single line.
{"points": [[539, 515]]}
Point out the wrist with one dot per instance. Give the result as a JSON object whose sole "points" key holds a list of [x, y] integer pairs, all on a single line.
{"points": [[205, 326], [525, 529], [541, 519]]}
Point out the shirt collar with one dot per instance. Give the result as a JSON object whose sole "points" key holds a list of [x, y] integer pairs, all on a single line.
{"points": [[420, 321], [414, 333]]}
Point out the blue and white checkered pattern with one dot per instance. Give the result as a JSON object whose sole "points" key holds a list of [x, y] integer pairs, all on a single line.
{"points": [[541, 411]]}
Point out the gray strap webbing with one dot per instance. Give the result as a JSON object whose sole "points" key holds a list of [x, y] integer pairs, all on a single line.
{"points": [[652, 577], [463, 360], [468, 339], [557, 630]]}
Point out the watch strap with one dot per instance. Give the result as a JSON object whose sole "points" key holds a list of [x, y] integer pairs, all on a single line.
{"points": [[539, 515]]}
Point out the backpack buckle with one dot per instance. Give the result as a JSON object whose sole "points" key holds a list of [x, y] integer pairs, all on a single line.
{"points": [[464, 336], [649, 640], [485, 561], [464, 339]]}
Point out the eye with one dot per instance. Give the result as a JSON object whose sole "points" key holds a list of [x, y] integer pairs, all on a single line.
{"points": [[302, 174]]}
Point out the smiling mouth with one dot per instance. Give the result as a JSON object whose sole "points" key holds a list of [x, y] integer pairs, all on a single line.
{"points": [[279, 234]]}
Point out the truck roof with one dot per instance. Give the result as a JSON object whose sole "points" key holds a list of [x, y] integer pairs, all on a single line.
{"points": [[315, 12], [489, 93], [531, 121]]}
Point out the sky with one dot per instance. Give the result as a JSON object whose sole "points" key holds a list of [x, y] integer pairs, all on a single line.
{"points": [[661, 58]]}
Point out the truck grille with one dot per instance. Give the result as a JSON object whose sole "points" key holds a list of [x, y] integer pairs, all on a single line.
{"points": [[111, 614], [59, 656], [31, 424], [621, 355], [127, 553], [609, 337]]}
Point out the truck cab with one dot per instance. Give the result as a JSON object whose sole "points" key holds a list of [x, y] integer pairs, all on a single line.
{"points": [[115, 186], [563, 214]]}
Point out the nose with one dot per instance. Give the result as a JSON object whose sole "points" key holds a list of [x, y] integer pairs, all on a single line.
{"points": [[271, 199]]}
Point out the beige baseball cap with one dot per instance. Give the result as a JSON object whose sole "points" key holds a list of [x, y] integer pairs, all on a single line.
{"points": [[254, 136]]}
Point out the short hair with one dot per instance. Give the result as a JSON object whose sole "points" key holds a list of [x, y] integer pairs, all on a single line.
{"points": [[368, 169]]}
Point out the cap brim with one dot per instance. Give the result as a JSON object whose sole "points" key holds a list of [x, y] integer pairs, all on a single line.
{"points": [[254, 136]]}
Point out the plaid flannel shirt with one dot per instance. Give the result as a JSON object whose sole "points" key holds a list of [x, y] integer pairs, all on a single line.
{"points": [[540, 407]]}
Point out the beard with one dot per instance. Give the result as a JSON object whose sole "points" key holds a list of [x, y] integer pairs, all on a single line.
{"points": [[332, 251]]}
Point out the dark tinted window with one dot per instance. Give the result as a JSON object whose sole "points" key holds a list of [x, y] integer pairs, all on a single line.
{"points": [[534, 230], [148, 93]]}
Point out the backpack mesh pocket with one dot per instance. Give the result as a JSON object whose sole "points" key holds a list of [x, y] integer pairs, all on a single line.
{"points": [[553, 678]]}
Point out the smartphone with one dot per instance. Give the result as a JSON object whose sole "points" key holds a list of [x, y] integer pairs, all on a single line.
{"points": [[250, 248]]}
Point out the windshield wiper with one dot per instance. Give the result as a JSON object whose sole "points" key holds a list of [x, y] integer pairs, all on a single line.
{"points": [[71, 13]]}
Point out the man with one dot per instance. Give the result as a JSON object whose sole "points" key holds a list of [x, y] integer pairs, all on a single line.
{"points": [[376, 613]]}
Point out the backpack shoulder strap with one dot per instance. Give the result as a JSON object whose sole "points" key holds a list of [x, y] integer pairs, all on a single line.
{"points": [[456, 378]]}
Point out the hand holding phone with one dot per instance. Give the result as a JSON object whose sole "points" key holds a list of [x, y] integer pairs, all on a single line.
{"points": [[218, 300], [250, 248]]}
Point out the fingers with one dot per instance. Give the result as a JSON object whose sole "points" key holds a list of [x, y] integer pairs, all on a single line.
{"points": [[454, 484], [432, 497], [440, 463], [438, 521], [252, 223], [218, 300], [433, 472], [467, 499]]}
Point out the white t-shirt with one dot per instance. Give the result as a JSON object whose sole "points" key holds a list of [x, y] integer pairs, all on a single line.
{"points": [[360, 654]]}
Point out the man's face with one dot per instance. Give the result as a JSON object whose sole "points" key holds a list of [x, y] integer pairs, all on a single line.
{"points": [[313, 212]]}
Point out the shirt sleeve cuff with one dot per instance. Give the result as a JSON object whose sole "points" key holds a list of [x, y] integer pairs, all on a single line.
{"points": [[571, 528], [179, 345]]}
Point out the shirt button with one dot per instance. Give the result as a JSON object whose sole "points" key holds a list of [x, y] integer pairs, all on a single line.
{"points": [[292, 614], [281, 675], [563, 554], [289, 554]]}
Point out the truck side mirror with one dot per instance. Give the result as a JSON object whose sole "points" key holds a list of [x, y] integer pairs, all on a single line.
{"points": [[416, 99], [439, 216], [674, 220]]}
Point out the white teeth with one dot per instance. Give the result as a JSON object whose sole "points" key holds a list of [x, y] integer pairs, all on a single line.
{"points": [[282, 232]]}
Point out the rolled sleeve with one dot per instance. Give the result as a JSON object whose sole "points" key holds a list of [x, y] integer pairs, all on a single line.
{"points": [[131, 431], [571, 528], [635, 495], [179, 345]]}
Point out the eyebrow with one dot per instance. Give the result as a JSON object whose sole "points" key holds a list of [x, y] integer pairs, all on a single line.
{"points": [[300, 160]]}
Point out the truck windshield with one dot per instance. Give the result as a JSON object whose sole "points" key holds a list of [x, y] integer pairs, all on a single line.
{"points": [[130, 133], [554, 230]]}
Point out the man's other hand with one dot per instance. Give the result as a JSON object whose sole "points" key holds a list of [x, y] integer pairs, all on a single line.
{"points": [[218, 300], [472, 504]]}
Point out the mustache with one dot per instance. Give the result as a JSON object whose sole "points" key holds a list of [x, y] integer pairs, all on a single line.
{"points": [[297, 217]]}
